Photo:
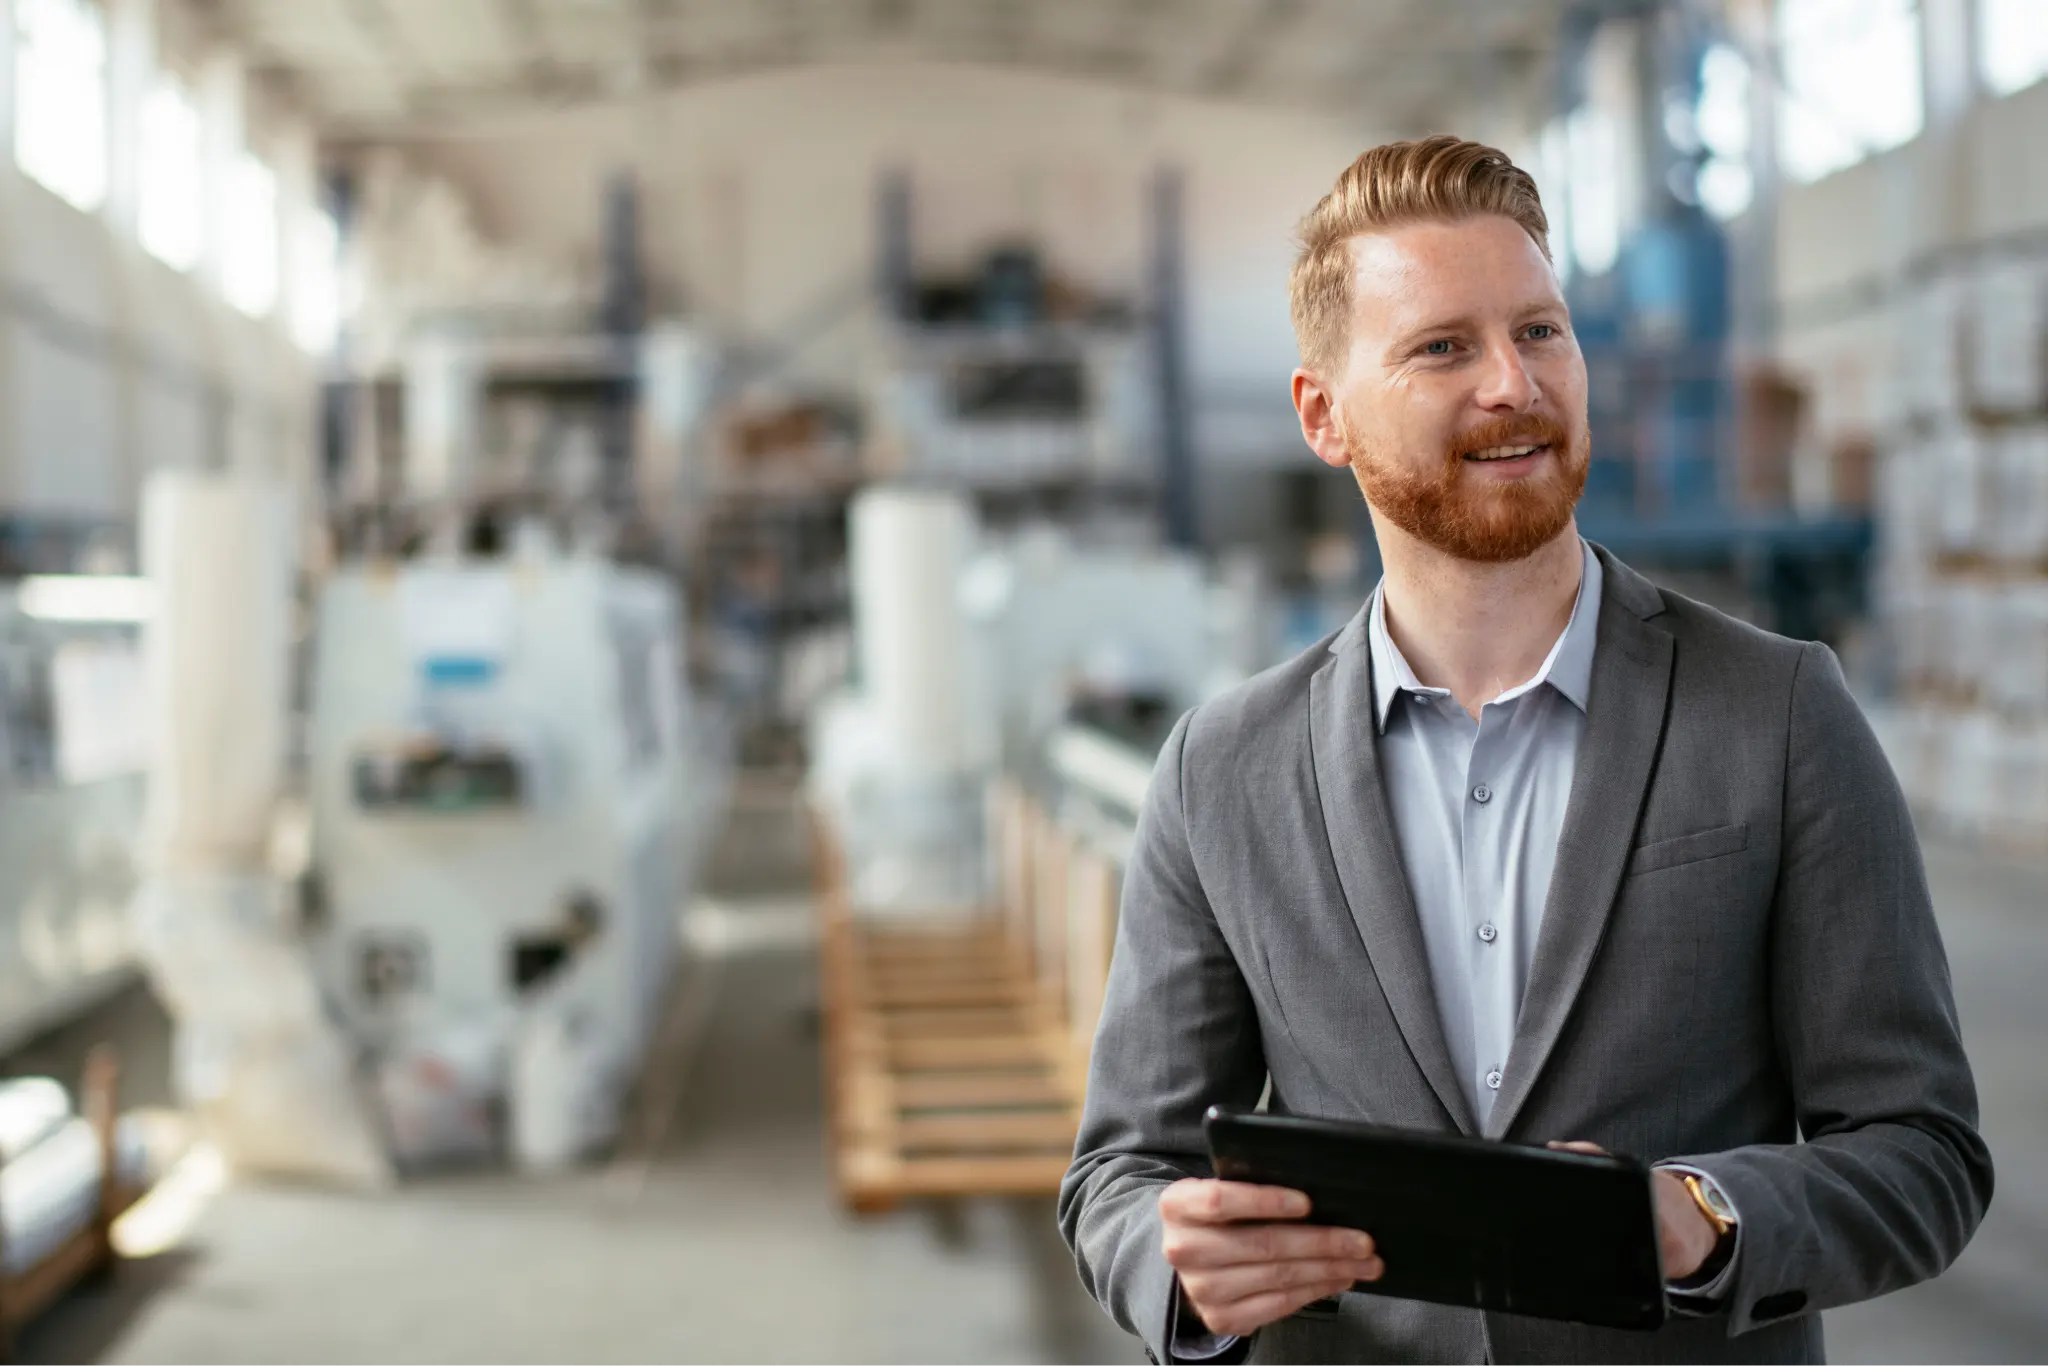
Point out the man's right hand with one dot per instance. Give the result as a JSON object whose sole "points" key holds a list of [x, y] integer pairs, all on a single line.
{"points": [[1243, 1263]]}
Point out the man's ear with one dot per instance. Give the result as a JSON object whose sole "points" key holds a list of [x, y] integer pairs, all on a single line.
{"points": [[1316, 406]]}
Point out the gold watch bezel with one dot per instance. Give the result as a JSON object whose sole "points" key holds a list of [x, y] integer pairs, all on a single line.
{"points": [[1721, 1222]]}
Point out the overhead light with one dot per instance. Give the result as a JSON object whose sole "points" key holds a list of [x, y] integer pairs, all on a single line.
{"points": [[109, 598]]}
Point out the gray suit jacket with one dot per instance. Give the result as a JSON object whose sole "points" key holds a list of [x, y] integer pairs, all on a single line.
{"points": [[1737, 953]]}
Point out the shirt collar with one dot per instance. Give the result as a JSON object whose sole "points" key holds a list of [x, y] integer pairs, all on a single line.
{"points": [[1568, 668]]}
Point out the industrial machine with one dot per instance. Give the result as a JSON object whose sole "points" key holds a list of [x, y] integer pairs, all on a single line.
{"points": [[1674, 428], [71, 761], [976, 655], [504, 826]]}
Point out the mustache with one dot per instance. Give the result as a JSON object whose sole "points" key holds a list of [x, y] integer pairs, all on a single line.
{"points": [[1522, 429]]}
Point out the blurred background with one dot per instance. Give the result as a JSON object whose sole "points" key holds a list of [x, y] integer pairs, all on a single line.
{"points": [[588, 589]]}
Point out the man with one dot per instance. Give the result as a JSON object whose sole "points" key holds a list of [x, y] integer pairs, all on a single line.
{"points": [[1531, 849]]}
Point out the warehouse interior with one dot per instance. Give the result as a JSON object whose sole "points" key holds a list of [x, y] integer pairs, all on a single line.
{"points": [[540, 540]]}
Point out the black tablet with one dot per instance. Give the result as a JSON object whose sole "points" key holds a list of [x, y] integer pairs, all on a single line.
{"points": [[1464, 1221]]}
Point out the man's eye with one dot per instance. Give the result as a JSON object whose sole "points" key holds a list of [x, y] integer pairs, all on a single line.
{"points": [[1542, 332], [1437, 348]]}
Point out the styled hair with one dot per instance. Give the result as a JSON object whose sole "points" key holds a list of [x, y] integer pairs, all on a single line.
{"points": [[1435, 179]]}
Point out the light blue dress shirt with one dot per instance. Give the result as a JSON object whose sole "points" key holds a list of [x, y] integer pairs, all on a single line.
{"points": [[1478, 808]]}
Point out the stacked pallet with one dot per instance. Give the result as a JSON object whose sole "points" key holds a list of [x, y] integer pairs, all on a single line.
{"points": [[956, 1046], [1963, 534], [85, 1251]]}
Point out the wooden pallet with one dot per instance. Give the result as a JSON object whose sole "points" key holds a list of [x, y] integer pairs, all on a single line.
{"points": [[90, 1251], [952, 1062]]}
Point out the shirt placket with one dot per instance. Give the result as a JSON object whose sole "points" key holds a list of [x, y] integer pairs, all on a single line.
{"points": [[1486, 899]]}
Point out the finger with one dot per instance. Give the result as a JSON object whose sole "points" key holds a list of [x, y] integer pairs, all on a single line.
{"points": [[1216, 1245], [1580, 1146], [1245, 1317], [1226, 1285], [1199, 1201]]}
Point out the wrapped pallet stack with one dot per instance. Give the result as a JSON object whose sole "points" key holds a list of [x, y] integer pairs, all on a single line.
{"points": [[255, 1055], [900, 764], [1963, 581]]}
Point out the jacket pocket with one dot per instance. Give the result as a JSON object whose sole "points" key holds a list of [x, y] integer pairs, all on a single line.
{"points": [[1725, 839]]}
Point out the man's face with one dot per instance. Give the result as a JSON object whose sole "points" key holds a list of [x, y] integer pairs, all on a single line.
{"points": [[1462, 403]]}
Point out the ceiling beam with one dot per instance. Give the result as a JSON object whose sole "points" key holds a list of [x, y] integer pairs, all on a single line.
{"points": [[543, 71], [1240, 58], [1418, 76]]}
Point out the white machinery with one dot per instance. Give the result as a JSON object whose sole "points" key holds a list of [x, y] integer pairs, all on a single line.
{"points": [[71, 796], [1003, 407], [978, 657], [504, 825]]}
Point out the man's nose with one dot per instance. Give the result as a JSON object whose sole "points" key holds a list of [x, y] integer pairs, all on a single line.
{"points": [[1504, 382]]}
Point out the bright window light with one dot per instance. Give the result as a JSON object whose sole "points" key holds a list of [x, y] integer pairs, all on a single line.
{"points": [[60, 111], [1851, 82], [1726, 187], [2012, 41], [172, 213], [116, 598], [1593, 155], [316, 282], [249, 236], [1722, 117], [1725, 184], [1553, 182]]}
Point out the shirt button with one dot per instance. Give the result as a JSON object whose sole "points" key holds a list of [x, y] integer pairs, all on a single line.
{"points": [[1487, 933], [1482, 794], [1493, 1080]]}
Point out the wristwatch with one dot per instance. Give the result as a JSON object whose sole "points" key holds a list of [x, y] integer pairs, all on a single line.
{"points": [[1714, 1206]]}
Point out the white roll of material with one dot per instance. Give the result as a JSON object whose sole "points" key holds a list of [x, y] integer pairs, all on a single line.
{"points": [[217, 548], [560, 1110], [31, 1109], [53, 1189], [909, 548]]}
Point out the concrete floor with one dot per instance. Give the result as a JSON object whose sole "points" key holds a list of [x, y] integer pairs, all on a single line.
{"points": [[726, 1244], [1993, 1303]]}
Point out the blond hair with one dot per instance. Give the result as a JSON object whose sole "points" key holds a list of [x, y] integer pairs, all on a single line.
{"points": [[1441, 179]]}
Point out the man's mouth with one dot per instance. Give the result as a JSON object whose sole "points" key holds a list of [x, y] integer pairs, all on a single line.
{"points": [[1494, 453]]}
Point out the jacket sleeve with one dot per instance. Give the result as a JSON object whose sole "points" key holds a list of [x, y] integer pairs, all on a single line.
{"points": [[1178, 1034], [1892, 1178]]}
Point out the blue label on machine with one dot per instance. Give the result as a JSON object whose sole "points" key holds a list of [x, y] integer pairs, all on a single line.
{"points": [[458, 671]]}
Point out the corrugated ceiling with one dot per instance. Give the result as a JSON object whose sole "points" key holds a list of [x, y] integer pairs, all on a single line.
{"points": [[392, 66]]}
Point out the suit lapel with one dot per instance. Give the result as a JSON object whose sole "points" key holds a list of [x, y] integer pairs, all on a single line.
{"points": [[1624, 724], [1360, 828]]}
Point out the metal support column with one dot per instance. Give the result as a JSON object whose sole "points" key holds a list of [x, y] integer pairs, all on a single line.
{"points": [[622, 315], [893, 244], [1169, 344]]}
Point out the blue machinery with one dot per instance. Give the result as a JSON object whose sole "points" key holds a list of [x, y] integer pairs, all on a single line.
{"points": [[1656, 330]]}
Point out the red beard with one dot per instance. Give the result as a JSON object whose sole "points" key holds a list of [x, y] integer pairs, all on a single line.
{"points": [[1489, 523]]}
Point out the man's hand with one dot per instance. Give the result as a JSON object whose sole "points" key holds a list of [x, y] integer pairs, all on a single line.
{"points": [[1684, 1235], [1243, 1264]]}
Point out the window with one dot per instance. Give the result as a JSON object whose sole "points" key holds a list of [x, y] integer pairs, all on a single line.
{"points": [[1850, 81], [1553, 182], [1725, 183], [316, 282], [1592, 160], [2012, 43], [60, 132], [172, 212], [249, 235]]}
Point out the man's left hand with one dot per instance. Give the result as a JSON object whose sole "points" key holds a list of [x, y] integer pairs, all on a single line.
{"points": [[1683, 1234]]}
